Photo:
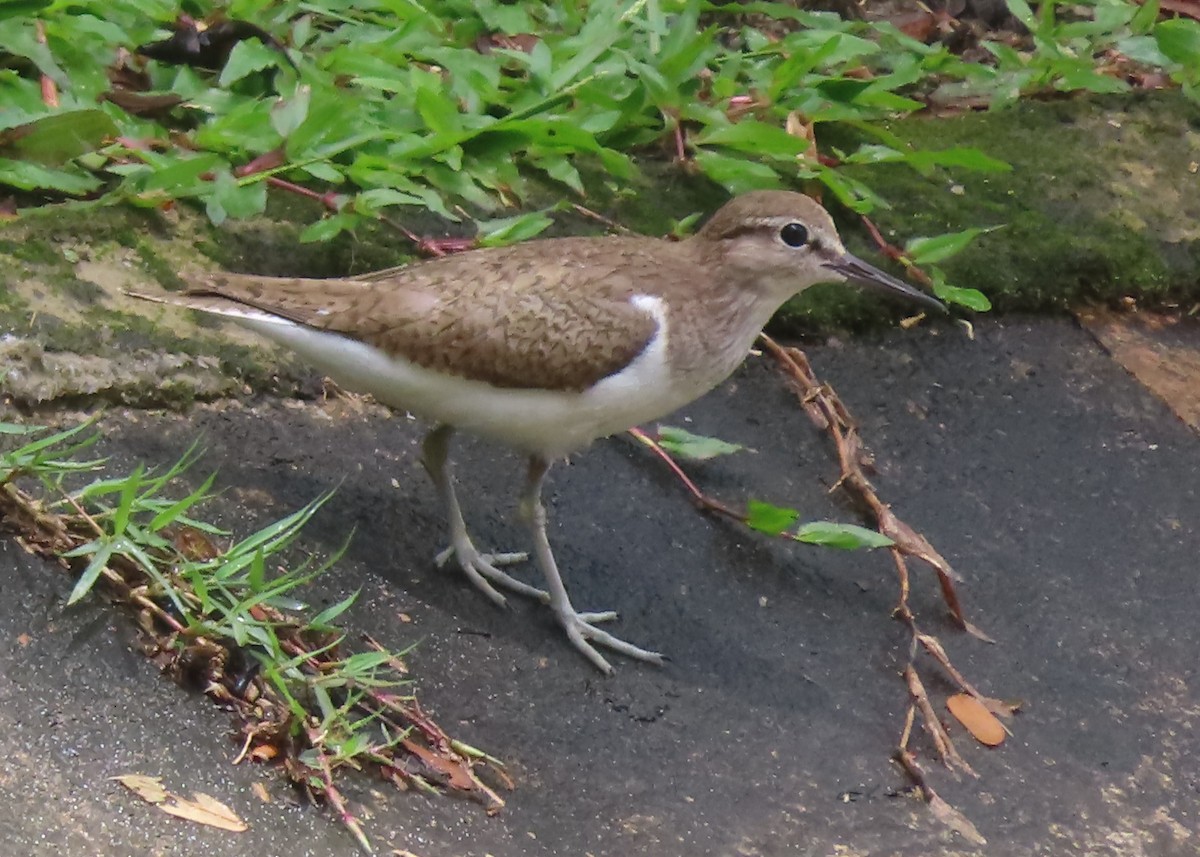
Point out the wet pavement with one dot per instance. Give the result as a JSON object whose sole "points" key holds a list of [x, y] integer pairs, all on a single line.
{"points": [[1064, 492]]}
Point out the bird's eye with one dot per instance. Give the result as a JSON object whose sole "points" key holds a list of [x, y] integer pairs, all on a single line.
{"points": [[794, 235]]}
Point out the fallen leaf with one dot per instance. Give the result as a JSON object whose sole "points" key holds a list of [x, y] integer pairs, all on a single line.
{"points": [[455, 772], [984, 726], [260, 792], [204, 810], [149, 789], [264, 752], [201, 808]]}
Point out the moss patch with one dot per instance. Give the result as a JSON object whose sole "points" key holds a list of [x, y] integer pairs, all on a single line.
{"points": [[1103, 201]]}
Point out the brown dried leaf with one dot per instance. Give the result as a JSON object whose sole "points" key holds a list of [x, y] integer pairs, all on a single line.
{"points": [[457, 773], [203, 809], [798, 125], [264, 752], [984, 726], [149, 789], [194, 544]]}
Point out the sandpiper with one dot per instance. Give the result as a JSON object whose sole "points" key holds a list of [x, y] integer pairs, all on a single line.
{"points": [[548, 345]]}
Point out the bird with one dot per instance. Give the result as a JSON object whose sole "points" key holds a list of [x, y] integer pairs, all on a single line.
{"points": [[547, 345]]}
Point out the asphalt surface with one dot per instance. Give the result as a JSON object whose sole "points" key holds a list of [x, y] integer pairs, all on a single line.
{"points": [[1061, 489]]}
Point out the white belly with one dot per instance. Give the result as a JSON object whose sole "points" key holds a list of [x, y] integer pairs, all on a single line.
{"points": [[548, 422]]}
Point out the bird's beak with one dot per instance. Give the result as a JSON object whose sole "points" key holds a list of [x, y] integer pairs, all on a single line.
{"points": [[858, 271]]}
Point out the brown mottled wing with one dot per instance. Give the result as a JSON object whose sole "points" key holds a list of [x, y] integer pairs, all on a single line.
{"points": [[551, 314]]}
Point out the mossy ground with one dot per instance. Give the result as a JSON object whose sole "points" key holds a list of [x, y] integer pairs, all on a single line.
{"points": [[1103, 202]]}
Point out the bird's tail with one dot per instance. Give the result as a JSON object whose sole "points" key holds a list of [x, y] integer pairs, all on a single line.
{"points": [[210, 304]]}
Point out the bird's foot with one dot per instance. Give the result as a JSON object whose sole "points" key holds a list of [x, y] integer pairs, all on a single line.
{"points": [[582, 631], [483, 570]]}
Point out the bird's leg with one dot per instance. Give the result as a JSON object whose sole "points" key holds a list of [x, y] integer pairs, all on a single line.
{"points": [[481, 568], [580, 627]]}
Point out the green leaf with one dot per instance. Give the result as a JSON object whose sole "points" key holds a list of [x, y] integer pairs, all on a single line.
{"points": [[1087, 80], [769, 519], [328, 227], [23, 8], [55, 139], [92, 573], [598, 35], [365, 661], [1023, 13], [17, 428], [231, 198], [323, 620], [841, 536], [510, 230], [28, 176], [737, 175], [683, 444], [1145, 17], [257, 575], [247, 57], [754, 137], [176, 509], [967, 158], [125, 504], [1143, 49], [969, 298], [1179, 40], [288, 114], [925, 251]]}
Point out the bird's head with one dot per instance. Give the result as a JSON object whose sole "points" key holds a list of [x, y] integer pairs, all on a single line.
{"points": [[784, 242]]}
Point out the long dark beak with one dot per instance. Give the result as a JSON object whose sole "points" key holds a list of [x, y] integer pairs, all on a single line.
{"points": [[858, 271]]}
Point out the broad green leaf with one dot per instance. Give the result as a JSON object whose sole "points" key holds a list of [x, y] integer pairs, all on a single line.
{"points": [[969, 298], [1143, 49], [1145, 17], [841, 536], [23, 8], [755, 137], [769, 519], [926, 251], [1023, 13], [682, 443], [1087, 80], [287, 114], [55, 139], [1179, 40], [736, 175], [17, 428], [510, 230], [967, 158], [231, 198], [28, 176], [371, 201], [247, 57], [328, 227]]}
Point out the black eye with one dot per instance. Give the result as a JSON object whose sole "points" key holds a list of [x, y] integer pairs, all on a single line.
{"points": [[794, 235]]}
